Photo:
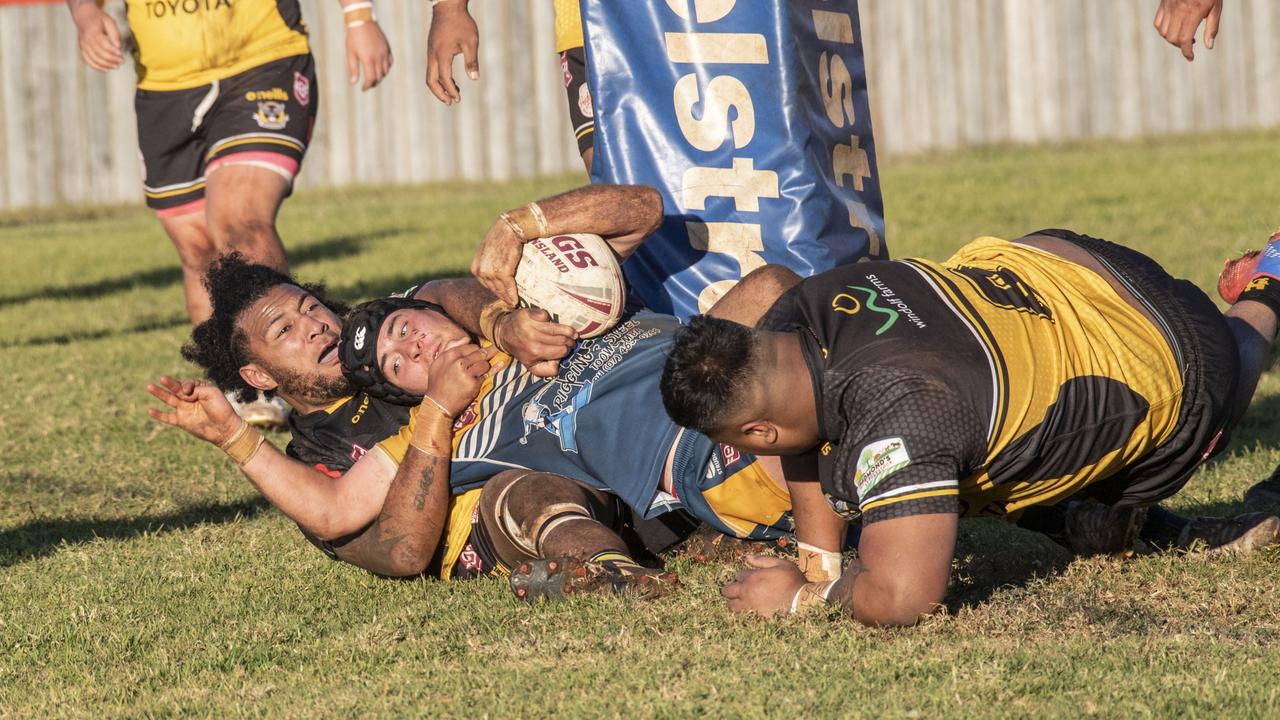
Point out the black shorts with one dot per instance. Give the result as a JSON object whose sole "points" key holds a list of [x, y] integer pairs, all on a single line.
{"points": [[479, 558], [263, 117], [1206, 352], [581, 113]]}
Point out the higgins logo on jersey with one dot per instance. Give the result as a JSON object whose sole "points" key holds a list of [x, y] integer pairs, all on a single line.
{"points": [[555, 407], [559, 420]]}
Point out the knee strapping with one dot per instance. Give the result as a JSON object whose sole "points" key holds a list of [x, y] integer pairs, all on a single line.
{"points": [[529, 533]]}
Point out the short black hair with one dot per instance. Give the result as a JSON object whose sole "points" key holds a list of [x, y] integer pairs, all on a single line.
{"points": [[218, 345], [709, 368]]}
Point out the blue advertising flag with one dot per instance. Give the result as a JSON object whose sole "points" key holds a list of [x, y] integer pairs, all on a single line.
{"points": [[751, 118]]}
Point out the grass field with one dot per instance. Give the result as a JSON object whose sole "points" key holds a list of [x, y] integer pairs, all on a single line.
{"points": [[141, 576]]}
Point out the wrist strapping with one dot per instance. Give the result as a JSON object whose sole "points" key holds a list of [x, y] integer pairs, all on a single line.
{"points": [[523, 223], [818, 565], [358, 13], [243, 444], [536, 211], [489, 317], [811, 595], [430, 449]]}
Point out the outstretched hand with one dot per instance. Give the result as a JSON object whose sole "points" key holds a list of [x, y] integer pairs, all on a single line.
{"points": [[766, 588], [200, 409]]}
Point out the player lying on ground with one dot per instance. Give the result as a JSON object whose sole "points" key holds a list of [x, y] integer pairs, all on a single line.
{"points": [[269, 333], [576, 433], [1011, 375]]}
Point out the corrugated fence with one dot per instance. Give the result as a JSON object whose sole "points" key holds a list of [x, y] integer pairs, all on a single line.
{"points": [[944, 74]]}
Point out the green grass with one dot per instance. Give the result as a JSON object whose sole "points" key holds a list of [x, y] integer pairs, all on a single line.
{"points": [[141, 576]]}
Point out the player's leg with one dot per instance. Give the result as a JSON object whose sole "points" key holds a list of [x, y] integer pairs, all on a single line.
{"points": [[573, 63], [171, 146], [257, 133], [242, 200], [559, 536], [190, 236]]}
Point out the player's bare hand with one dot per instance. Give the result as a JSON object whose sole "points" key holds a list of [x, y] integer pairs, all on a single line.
{"points": [[100, 46], [765, 588], [1178, 20], [456, 376], [200, 409], [496, 260], [367, 52], [535, 340], [453, 32]]}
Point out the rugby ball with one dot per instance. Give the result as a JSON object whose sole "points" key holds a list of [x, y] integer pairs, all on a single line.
{"points": [[576, 278]]}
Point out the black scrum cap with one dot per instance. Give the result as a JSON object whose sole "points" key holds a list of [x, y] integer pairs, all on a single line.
{"points": [[358, 350]]}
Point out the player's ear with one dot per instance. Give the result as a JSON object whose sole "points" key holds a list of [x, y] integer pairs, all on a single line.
{"points": [[760, 431], [257, 377]]}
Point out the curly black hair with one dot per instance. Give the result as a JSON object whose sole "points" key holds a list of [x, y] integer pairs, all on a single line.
{"points": [[219, 345], [709, 367]]}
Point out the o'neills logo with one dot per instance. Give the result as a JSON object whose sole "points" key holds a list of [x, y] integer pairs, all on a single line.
{"points": [[358, 342]]}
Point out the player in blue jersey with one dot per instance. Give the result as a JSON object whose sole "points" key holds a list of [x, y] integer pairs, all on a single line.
{"points": [[348, 495]]}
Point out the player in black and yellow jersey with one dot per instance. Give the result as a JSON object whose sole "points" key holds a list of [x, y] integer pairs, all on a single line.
{"points": [[1011, 376], [226, 102], [366, 492]]}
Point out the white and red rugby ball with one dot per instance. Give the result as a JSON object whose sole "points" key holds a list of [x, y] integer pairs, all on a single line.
{"points": [[576, 278]]}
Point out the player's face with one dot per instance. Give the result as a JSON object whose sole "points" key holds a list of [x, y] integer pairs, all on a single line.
{"points": [[410, 341], [293, 337]]}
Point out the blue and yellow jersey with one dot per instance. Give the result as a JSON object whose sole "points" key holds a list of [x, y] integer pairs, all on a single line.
{"points": [[184, 44], [1003, 377], [600, 421]]}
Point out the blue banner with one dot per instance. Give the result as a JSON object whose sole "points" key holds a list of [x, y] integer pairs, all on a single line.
{"points": [[752, 119]]}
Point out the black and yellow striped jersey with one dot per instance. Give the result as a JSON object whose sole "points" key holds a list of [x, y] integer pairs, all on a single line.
{"points": [[183, 44], [1003, 377]]}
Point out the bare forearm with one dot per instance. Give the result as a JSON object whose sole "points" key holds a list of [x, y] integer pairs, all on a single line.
{"points": [[624, 215], [860, 596], [816, 523], [329, 507], [462, 298], [902, 571], [404, 538], [1254, 327]]}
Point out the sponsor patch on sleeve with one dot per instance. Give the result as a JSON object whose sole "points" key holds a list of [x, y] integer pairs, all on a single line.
{"points": [[878, 461]]}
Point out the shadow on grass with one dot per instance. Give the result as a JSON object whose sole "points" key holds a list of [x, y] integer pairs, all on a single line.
{"points": [[352, 293], [67, 338], [1259, 426], [326, 249], [992, 555], [38, 538]]}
